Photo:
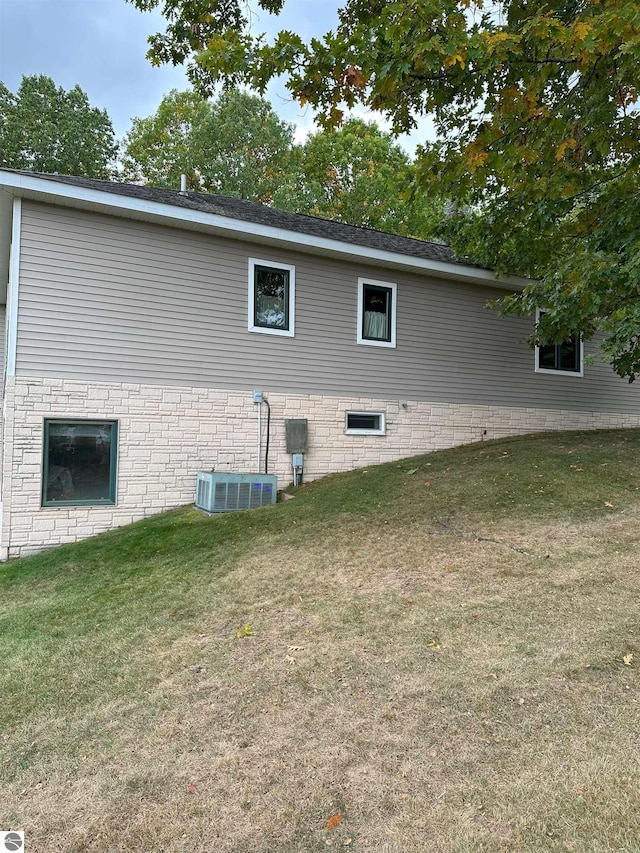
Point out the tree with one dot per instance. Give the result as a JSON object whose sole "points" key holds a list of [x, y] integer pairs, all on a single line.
{"points": [[45, 129], [237, 145], [360, 176], [536, 108], [234, 145]]}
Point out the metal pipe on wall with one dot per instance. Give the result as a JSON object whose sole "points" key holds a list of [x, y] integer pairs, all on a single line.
{"points": [[259, 435], [257, 399], [266, 447]]}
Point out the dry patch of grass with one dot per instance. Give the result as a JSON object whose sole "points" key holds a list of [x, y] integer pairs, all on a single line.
{"points": [[436, 690]]}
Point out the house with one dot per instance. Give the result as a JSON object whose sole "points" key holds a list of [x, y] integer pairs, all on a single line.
{"points": [[140, 322]]}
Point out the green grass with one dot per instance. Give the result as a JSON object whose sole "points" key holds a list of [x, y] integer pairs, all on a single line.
{"points": [[437, 655]]}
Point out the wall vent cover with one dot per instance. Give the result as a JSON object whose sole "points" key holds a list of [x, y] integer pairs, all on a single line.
{"points": [[219, 492]]}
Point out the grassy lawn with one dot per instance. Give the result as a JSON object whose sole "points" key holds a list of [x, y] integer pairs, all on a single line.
{"points": [[439, 655]]}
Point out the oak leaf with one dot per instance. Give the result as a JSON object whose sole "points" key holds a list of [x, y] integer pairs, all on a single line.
{"points": [[353, 77], [450, 61], [568, 143], [581, 29]]}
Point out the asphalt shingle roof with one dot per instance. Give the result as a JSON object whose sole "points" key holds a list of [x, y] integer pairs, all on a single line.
{"points": [[248, 211]]}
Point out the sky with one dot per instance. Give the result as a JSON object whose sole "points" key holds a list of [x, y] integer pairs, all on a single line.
{"points": [[101, 45]]}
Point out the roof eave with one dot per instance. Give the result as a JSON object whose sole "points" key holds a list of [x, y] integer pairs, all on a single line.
{"points": [[40, 189]]}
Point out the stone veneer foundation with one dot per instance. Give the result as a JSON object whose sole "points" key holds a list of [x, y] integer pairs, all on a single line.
{"points": [[167, 434]]}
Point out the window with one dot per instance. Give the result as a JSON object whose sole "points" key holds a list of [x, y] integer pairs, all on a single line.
{"points": [[79, 465], [364, 423], [376, 313], [271, 297], [566, 357]]}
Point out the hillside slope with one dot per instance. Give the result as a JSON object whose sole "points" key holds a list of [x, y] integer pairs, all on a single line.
{"points": [[439, 654]]}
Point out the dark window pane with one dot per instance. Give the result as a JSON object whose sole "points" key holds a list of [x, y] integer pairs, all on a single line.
{"points": [[376, 314], [271, 309], [564, 356], [358, 421], [547, 357], [79, 462], [569, 356]]}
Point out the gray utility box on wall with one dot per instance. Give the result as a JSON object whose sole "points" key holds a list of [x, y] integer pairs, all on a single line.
{"points": [[218, 492], [296, 432]]}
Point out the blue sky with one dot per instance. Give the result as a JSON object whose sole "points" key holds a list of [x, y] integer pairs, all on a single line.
{"points": [[101, 45]]}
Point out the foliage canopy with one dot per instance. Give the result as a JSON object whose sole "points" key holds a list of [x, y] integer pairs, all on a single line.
{"points": [[43, 128], [359, 175], [536, 109], [234, 144]]}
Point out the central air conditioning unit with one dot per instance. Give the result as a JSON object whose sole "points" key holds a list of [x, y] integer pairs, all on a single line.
{"points": [[218, 492]]}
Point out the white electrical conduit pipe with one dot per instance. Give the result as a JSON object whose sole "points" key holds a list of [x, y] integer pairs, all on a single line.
{"points": [[259, 434]]}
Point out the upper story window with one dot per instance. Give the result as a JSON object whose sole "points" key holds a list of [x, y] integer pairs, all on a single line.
{"points": [[566, 357], [271, 297], [376, 313]]}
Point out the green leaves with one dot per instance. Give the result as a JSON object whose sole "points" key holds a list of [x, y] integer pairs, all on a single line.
{"points": [[360, 176], [234, 145], [45, 129]]}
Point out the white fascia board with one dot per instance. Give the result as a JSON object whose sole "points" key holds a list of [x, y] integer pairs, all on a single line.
{"points": [[239, 228], [12, 291]]}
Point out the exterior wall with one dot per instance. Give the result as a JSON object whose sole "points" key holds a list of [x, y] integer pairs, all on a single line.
{"points": [[147, 325], [109, 299], [168, 433], [3, 342], [3, 354]]}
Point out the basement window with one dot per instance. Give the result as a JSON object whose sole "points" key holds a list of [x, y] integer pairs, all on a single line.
{"points": [[271, 297], [365, 423], [566, 357], [79, 463]]}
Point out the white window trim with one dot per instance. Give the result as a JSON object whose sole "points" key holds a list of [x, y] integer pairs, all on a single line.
{"points": [[381, 431], [554, 372], [276, 265], [394, 300]]}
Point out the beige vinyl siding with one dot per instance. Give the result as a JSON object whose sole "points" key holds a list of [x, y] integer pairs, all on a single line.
{"points": [[105, 298]]}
